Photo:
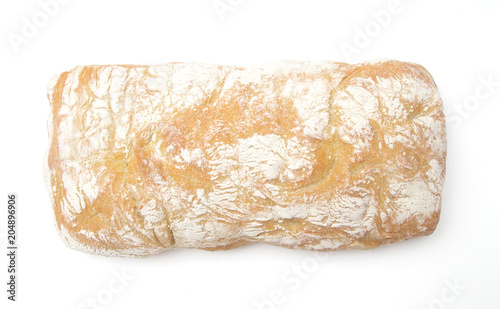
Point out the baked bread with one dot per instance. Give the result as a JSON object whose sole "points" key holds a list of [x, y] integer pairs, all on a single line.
{"points": [[309, 155]]}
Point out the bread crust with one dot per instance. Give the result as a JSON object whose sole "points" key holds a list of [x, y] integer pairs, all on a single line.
{"points": [[309, 155]]}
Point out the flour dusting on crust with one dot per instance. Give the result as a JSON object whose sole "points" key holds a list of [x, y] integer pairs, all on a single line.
{"points": [[311, 155]]}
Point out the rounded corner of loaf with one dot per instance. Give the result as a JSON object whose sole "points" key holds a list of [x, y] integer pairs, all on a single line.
{"points": [[102, 244]]}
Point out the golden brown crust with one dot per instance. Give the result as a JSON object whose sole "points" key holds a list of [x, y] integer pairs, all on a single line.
{"points": [[310, 155]]}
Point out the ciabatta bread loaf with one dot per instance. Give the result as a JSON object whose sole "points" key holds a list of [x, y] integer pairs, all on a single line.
{"points": [[309, 155]]}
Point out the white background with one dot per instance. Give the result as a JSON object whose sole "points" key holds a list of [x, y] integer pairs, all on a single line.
{"points": [[457, 41]]}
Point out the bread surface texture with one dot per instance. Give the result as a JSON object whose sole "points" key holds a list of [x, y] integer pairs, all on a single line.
{"points": [[311, 155]]}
